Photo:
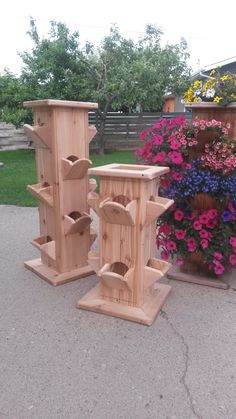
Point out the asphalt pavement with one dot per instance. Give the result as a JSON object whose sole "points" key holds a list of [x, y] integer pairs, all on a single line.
{"points": [[59, 362]]}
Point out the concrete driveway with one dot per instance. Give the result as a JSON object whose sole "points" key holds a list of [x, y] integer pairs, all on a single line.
{"points": [[58, 362]]}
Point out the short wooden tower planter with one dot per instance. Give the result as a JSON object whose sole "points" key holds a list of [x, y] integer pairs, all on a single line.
{"points": [[128, 206], [61, 136]]}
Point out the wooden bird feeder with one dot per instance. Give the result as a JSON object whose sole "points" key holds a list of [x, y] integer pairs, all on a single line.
{"points": [[61, 136], [128, 206]]}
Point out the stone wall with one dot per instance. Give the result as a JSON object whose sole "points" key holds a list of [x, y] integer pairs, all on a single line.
{"points": [[12, 138]]}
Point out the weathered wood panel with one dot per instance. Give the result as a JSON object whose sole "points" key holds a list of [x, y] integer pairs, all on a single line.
{"points": [[121, 130]]}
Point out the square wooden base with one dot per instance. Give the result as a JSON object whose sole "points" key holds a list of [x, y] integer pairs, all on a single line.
{"points": [[52, 276], [145, 315], [175, 273]]}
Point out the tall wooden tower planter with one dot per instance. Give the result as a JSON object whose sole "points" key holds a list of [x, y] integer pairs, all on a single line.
{"points": [[194, 269], [61, 136], [128, 206]]}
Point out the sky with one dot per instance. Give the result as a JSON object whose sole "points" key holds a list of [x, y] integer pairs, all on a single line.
{"points": [[208, 26]]}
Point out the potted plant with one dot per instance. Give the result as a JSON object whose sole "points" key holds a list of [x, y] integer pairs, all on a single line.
{"points": [[214, 97], [202, 182]]}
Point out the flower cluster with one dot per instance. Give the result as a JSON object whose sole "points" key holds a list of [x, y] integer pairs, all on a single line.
{"points": [[218, 88], [221, 156], [183, 231], [195, 180], [202, 182]]}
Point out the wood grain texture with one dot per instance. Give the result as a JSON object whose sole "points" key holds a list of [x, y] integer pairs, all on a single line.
{"points": [[63, 185], [53, 277], [126, 267]]}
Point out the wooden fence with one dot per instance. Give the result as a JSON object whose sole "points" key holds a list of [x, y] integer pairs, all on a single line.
{"points": [[121, 131]]}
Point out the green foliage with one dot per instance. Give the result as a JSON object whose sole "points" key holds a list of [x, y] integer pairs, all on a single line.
{"points": [[127, 72], [119, 73], [53, 68], [12, 93]]}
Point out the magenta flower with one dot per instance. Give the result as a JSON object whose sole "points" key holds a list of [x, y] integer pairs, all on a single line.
{"points": [[203, 218], [165, 255], [159, 157], [204, 234], [219, 270], [158, 140], [176, 176], [142, 135], [170, 245], [218, 255], [232, 241], [175, 157], [211, 224], [204, 243], [212, 213], [191, 245], [165, 229], [178, 215], [180, 234], [197, 225], [232, 260], [175, 145]]}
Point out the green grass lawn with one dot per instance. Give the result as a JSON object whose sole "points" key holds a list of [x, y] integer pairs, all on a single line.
{"points": [[19, 171]]}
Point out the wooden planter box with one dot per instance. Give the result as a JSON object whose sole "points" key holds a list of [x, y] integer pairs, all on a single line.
{"points": [[61, 136], [210, 110], [128, 206], [194, 269]]}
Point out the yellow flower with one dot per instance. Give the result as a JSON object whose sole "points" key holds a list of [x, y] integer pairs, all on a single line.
{"points": [[188, 96], [223, 78], [217, 99], [196, 84], [196, 99], [212, 72]]}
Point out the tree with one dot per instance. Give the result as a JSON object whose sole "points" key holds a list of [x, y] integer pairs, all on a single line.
{"points": [[53, 68], [119, 73], [12, 93], [125, 73]]}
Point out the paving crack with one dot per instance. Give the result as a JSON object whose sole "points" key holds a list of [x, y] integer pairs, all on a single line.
{"points": [[186, 363]]}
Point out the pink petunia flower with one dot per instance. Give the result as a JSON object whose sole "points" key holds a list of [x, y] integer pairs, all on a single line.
{"points": [[159, 157], [197, 225], [178, 215], [219, 270], [218, 255], [170, 245], [158, 140], [175, 145], [165, 255], [204, 234], [232, 260], [165, 229], [180, 234], [232, 241], [176, 176], [204, 243], [142, 135], [212, 213], [203, 218], [175, 157]]}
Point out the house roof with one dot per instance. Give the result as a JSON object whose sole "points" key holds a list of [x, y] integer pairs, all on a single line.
{"points": [[210, 67]]}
